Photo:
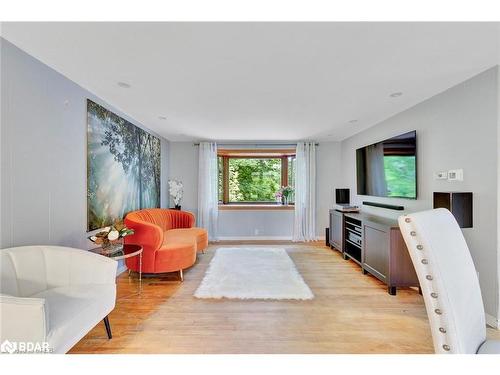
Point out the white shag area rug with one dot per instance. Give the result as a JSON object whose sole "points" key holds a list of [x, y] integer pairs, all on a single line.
{"points": [[253, 273]]}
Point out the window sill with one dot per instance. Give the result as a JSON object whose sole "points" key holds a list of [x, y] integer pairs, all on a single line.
{"points": [[252, 207]]}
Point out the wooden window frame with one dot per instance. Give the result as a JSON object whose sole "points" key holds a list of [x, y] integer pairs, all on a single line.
{"points": [[253, 154]]}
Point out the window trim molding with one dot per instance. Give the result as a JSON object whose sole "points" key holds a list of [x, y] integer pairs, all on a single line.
{"points": [[227, 154], [255, 207]]}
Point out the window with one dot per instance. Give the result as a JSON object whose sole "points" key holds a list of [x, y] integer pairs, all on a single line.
{"points": [[254, 176]]}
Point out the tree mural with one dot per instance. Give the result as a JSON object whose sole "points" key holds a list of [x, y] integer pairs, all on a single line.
{"points": [[123, 167]]}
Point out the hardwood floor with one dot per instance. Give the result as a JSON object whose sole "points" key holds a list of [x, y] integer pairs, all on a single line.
{"points": [[351, 313]]}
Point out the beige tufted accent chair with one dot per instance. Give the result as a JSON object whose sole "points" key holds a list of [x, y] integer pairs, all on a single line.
{"points": [[449, 282]]}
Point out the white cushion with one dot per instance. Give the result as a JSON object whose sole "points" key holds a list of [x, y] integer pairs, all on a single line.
{"points": [[75, 310]]}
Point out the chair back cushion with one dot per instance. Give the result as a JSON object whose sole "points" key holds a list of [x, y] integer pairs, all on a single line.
{"points": [[448, 279], [28, 270], [164, 218], [23, 271]]}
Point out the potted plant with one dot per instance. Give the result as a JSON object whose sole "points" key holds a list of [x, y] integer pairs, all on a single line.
{"points": [[286, 193], [176, 190], [111, 238]]}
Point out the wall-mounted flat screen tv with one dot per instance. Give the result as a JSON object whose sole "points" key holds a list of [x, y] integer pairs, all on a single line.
{"points": [[388, 168]]}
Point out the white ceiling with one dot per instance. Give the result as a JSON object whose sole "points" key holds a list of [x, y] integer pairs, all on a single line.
{"points": [[261, 81]]}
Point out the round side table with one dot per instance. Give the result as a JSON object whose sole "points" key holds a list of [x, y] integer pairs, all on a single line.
{"points": [[129, 251]]}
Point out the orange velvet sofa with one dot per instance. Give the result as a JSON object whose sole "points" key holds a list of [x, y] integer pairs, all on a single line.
{"points": [[168, 238]]}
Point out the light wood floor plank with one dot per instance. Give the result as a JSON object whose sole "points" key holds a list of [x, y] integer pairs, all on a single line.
{"points": [[351, 313]]}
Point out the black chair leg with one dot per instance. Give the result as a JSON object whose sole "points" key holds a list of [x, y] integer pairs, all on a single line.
{"points": [[108, 327]]}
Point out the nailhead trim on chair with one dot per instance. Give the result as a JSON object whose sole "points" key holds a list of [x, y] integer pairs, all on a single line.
{"points": [[429, 277]]}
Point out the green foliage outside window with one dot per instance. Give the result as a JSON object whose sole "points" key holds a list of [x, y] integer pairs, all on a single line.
{"points": [[254, 180], [400, 176]]}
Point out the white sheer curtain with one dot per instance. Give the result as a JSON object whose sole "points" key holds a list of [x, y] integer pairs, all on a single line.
{"points": [[304, 228], [375, 171], [208, 203]]}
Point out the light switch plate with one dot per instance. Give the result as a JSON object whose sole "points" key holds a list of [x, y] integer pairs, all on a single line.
{"points": [[456, 175], [441, 175]]}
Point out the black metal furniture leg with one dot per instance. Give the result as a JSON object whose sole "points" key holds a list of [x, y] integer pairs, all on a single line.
{"points": [[391, 290], [108, 327]]}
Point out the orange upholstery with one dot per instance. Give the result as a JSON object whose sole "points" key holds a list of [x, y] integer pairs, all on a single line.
{"points": [[167, 237], [199, 234]]}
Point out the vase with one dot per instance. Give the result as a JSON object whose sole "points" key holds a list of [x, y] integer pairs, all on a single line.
{"points": [[284, 201], [177, 207], [112, 247]]}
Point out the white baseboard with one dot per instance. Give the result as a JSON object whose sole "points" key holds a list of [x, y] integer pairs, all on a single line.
{"points": [[255, 238], [492, 321], [263, 238]]}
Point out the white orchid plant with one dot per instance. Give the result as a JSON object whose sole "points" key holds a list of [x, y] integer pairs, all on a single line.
{"points": [[111, 235], [176, 190]]}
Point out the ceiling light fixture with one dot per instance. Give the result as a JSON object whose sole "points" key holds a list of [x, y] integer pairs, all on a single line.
{"points": [[396, 94], [124, 85], [162, 117]]}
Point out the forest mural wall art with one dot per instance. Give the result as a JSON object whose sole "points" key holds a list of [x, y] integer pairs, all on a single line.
{"points": [[123, 167]]}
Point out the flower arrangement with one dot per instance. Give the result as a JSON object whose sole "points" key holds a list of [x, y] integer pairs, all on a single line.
{"points": [[278, 196], [284, 193], [111, 235], [176, 190]]}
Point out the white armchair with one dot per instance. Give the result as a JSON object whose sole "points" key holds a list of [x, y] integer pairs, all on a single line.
{"points": [[449, 282], [54, 294]]}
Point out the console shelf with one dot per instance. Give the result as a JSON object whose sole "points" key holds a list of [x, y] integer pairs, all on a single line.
{"points": [[376, 244]]}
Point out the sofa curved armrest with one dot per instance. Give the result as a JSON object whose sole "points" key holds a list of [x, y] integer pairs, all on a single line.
{"points": [[146, 234], [23, 319]]}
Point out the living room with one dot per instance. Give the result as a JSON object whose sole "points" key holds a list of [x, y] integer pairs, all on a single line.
{"points": [[250, 187]]}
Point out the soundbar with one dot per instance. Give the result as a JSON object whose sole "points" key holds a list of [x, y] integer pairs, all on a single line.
{"points": [[382, 205]]}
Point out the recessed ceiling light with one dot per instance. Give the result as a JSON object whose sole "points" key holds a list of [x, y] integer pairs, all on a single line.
{"points": [[396, 94], [162, 117], [124, 85], [353, 121]]}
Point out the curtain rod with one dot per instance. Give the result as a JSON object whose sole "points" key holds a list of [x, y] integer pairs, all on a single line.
{"points": [[256, 144]]}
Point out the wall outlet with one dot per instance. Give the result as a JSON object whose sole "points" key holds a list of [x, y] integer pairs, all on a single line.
{"points": [[456, 175], [441, 175]]}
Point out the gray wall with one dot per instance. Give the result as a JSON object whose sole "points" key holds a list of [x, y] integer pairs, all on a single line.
{"points": [[258, 224], [328, 177], [43, 154], [498, 192], [455, 129], [183, 166]]}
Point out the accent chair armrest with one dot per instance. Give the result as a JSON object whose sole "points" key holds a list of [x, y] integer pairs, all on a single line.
{"points": [[23, 319], [91, 268]]}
